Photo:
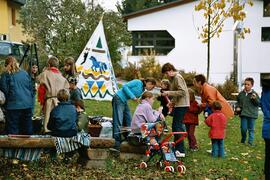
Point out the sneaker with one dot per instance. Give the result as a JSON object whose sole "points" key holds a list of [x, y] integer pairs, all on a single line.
{"points": [[194, 149], [251, 144], [209, 151], [179, 155]]}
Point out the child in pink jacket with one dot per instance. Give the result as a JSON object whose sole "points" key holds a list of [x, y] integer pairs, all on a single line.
{"points": [[217, 122], [144, 112]]}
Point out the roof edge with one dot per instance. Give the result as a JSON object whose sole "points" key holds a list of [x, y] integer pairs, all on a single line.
{"points": [[155, 9], [19, 2]]}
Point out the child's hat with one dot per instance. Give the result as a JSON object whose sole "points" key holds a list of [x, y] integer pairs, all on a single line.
{"points": [[72, 80]]}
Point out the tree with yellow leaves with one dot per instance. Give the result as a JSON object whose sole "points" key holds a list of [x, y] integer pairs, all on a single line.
{"points": [[215, 13]]}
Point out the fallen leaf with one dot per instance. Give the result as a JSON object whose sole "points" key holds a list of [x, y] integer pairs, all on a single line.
{"points": [[235, 158], [244, 154]]}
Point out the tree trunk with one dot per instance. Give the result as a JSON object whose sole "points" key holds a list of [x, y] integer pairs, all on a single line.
{"points": [[208, 48]]}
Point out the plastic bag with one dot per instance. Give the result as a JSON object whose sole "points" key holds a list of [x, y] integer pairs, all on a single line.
{"points": [[2, 98], [2, 116]]}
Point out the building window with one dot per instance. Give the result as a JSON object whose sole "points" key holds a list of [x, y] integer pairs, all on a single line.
{"points": [[13, 16], [265, 33], [266, 78], [266, 8], [149, 42]]}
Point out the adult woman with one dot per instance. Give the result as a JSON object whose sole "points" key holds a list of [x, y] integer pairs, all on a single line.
{"points": [[121, 113], [17, 87], [180, 99], [209, 94]]}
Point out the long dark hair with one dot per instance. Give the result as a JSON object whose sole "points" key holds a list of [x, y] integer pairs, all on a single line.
{"points": [[167, 67]]}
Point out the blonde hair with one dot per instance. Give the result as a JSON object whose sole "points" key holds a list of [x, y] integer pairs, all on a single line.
{"points": [[53, 61], [12, 62], [63, 95], [147, 94]]}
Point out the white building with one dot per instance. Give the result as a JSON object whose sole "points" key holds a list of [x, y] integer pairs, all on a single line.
{"points": [[183, 48]]}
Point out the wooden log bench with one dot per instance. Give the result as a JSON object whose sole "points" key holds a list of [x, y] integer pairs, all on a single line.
{"points": [[97, 153]]}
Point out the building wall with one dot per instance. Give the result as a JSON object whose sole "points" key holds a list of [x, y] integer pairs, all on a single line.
{"points": [[3, 17], [13, 32], [190, 54], [254, 53]]}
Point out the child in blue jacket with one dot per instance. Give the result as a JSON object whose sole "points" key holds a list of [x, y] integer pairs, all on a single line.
{"points": [[63, 117]]}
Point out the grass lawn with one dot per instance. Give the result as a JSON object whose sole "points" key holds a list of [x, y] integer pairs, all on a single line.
{"points": [[241, 162]]}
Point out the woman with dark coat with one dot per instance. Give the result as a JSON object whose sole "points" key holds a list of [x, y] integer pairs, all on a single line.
{"points": [[17, 87]]}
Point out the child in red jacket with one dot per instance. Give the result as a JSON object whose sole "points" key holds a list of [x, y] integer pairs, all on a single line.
{"points": [[217, 123], [191, 120]]}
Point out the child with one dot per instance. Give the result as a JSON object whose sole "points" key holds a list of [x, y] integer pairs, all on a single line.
{"points": [[77, 100], [164, 100], [217, 123], [265, 105], [34, 73], [69, 68], [75, 94], [62, 122], [144, 112], [247, 107], [191, 120], [120, 109]]}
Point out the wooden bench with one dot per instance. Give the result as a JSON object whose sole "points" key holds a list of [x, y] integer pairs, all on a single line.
{"points": [[97, 153], [32, 142]]}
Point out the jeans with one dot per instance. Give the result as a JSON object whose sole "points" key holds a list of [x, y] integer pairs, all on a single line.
{"points": [[191, 136], [178, 126], [247, 124], [19, 121], [218, 148], [121, 117], [267, 159]]}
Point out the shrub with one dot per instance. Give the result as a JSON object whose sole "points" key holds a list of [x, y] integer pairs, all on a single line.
{"points": [[227, 89], [149, 67], [131, 72]]}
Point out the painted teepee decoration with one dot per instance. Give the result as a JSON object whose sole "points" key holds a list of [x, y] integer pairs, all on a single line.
{"points": [[96, 76]]}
